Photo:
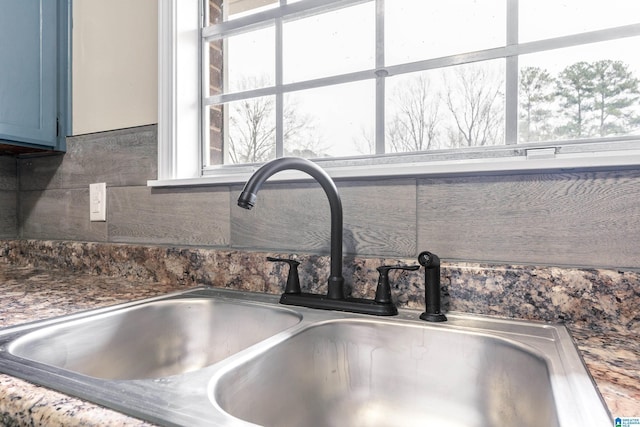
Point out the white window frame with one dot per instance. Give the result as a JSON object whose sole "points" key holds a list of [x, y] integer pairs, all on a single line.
{"points": [[179, 153], [180, 103]]}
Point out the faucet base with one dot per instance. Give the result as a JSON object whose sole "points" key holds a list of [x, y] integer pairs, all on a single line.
{"points": [[352, 305], [433, 317]]}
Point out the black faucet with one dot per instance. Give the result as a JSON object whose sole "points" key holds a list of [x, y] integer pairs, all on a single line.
{"points": [[249, 194], [335, 298]]}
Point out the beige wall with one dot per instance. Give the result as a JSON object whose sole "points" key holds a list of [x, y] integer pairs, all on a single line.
{"points": [[114, 64]]}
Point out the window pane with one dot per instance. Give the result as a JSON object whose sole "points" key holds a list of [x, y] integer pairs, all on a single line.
{"points": [[455, 107], [214, 9], [416, 29], [249, 60], [563, 17], [474, 104], [214, 136], [580, 92], [336, 42], [332, 121], [414, 111], [216, 71], [250, 131]]}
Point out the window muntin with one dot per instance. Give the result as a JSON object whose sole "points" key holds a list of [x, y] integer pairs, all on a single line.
{"points": [[315, 74]]}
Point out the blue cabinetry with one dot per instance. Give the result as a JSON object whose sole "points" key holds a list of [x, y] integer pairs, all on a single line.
{"points": [[33, 73]]}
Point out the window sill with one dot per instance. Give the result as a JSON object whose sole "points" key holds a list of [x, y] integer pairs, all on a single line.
{"points": [[532, 163]]}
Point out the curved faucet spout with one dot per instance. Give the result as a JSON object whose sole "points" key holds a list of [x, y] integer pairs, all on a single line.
{"points": [[249, 195]]}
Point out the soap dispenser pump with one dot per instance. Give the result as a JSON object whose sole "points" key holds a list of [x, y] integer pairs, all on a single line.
{"points": [[431, 264]]}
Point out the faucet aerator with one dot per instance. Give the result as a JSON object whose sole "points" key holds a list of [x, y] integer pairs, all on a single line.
{"points": [[247, 200]]}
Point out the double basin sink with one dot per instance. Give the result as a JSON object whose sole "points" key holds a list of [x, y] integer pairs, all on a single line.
{"points": [[215, 357]]}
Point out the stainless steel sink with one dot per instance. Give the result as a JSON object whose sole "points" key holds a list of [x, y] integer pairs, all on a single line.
{"points": [[212, 357], [372, 373], [155, 339]]}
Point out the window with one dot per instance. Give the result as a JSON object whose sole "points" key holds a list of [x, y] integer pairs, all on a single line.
{"points": [[383, 82]]}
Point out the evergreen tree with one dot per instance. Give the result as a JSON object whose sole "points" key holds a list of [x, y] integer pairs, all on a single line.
{"points": [[615, 92], [536, 96], [575, 87]]}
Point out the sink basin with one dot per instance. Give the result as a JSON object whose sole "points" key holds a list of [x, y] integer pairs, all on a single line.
{"points": [[370, 373], [155, 339]]}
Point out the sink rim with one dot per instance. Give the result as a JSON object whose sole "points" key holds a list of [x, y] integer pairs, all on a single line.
{"points": [[188, 394]]}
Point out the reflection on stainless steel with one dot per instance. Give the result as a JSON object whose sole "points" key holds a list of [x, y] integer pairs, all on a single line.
{"points": [[215, 357], [153, 340], [367, 373]]}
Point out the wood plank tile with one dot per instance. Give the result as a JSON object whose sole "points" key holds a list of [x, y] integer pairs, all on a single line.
{"points": [[122, 157], [8, 173], [182, 216], [379, 219], [59, 215], [8, 215], [586, 219]]}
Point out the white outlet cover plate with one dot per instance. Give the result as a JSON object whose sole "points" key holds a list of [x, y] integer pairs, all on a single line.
{"points": [[98, 201]]}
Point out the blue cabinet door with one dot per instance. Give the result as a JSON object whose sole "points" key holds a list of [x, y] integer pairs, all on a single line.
{"points": [[29, 72]]}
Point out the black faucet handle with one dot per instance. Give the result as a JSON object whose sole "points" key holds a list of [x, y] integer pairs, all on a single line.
{"points": [[383, 290], [293, 280]]}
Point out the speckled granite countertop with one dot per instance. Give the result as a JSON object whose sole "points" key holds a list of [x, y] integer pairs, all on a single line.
{"points": [[30, 293]]}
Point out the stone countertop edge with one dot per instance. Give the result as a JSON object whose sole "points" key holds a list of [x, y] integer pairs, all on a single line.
{"points": [[613, 359]]}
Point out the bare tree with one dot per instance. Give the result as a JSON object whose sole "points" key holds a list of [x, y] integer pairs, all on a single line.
{"points": [[414, 126], [252, 129], [365, 144], [301, 138], [475, 100]]}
